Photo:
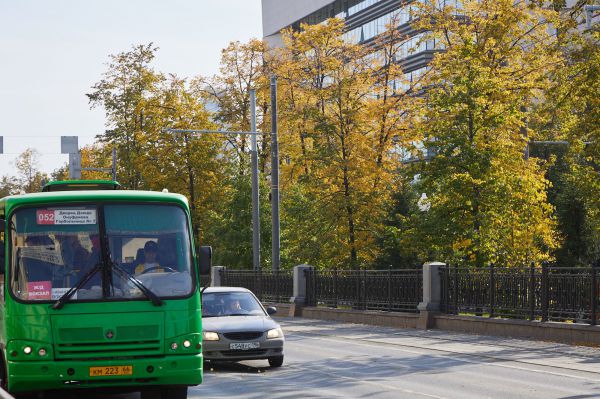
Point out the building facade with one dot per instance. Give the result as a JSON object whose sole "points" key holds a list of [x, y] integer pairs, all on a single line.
{"points": [[364, 19]]}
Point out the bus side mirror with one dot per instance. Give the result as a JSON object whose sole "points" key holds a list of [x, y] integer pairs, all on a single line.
{"points": [[204, 255]]}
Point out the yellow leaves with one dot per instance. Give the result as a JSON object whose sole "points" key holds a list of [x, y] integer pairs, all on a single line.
{"points": [[489, 202], [96, 156], [462, 245], [338, 135]]}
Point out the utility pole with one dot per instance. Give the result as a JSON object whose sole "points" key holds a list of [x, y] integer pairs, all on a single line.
{"points": [[114, 164], [255, 186], [70, 145], [274, 177]]}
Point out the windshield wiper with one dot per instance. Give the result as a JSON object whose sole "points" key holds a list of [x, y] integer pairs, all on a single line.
{"points": [[67, 295], [156, 301]]}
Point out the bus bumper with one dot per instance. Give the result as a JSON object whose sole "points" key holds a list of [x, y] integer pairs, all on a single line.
{"points": [[40, 376]]}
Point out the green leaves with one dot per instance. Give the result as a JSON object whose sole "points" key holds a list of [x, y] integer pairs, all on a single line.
{"points": [[506, 77], [488, 203]]}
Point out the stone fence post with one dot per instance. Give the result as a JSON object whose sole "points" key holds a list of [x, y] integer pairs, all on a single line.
{"points": [[215, 276], [299, 297], [432, 294]]}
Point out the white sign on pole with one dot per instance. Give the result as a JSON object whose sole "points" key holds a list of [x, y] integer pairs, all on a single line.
{"points": [[69, 144]]}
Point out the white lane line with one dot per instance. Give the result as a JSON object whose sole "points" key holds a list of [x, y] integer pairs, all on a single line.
{"points": [[395, 347], [322, 370], [452, 338]]}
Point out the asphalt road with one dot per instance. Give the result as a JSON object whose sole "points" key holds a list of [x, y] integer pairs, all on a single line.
{"points": [[334, 360]]}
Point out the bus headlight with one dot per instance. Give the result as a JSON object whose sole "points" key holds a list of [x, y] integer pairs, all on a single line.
{"points": [[174, 346], [187, 344], [28, 350], [210, 336]]}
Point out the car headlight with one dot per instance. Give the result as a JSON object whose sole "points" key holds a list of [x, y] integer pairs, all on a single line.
{"points": [[210, 336], [275, 333]]}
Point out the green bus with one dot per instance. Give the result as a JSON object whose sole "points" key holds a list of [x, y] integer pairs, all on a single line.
{"points": [[100, 290]]}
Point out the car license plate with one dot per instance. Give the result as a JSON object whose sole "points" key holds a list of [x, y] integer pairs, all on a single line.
{"points": [[244, 346], [110, 371]]}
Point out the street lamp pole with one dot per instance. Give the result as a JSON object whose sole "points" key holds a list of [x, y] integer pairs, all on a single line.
{"points": [[274, 177], [255, 187]]}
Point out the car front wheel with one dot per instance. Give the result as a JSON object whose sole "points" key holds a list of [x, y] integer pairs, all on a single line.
{"points": [[276, 361]]}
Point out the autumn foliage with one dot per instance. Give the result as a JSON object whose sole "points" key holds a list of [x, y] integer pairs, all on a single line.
{"points": [[477, 188]]}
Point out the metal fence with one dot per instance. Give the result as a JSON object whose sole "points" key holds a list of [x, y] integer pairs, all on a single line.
{"points": [[268, 286], [546, 293], [398, 290]]}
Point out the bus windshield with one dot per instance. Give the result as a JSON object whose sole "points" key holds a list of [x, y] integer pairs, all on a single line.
{"points": [[54, 247]]}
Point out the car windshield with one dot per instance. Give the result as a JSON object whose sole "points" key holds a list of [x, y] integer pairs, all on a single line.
{"points": [[54, 248], [216, 304]]}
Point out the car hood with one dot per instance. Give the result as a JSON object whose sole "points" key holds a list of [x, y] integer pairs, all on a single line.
{"points": [[238, 323]]}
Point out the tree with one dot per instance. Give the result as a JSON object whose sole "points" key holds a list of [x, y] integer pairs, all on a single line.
{"points": [[487, 200], [123, 92], [182, 162], [243, 68], [568, 113], [331, 140], [8, 186], [29, 177]]}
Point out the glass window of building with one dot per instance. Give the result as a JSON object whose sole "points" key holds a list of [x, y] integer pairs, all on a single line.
{"points": [[361, 5]]}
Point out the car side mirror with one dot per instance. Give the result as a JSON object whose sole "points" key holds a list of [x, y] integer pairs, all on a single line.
{"points": [[204, 256], [271, 310]]}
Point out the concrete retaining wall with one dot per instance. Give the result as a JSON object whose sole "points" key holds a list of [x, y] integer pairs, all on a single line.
{"points": [[386, 319], [573, 334], [398, 320]]}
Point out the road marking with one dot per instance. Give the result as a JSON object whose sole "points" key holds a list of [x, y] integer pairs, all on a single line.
{"points": [[366, 342], [322, 370]]}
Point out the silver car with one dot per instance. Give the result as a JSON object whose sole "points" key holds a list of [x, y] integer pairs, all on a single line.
{"points": [[236, 326]]}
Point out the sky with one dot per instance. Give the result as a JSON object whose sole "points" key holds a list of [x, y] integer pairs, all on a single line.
{"points": [[52, 53]]}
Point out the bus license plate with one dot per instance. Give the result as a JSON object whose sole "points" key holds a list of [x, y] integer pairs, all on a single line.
{"points": [[110, 371], [244, 346]]}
